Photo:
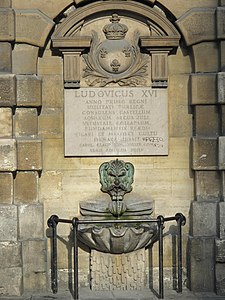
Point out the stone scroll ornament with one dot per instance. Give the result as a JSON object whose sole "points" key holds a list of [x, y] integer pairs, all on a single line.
{"points": [[115, 60], [116, 178]]}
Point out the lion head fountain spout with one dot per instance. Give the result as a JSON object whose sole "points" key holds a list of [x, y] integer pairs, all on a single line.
{"points": [[116, 177]]}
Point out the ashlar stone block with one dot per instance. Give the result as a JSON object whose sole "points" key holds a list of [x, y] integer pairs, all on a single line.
{"points": [[220, 279], [221, 152], [201, 264], [29, 90], [7, 90], [222, 220], [5, 57], [204, 88], [221, 87], [8, 223], [31, 222], [11, 281], [26, 188], [51, 123], [220, 250], [5, 3], [32, 27], [10, 254], [8, 158], [202, 63], [31, 262], [29, 153], [6, 122], [204, 154], [7, 20], [220, 13], [24, 59], [198, 25], [204, 216], [6, 188], [208, 186], [26, 122], [212, 126]]}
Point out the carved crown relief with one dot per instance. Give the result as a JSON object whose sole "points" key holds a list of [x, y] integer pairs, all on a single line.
{"points": [[115, 59], [126, 46]]}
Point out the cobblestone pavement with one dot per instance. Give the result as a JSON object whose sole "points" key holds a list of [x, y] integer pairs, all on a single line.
{"points": [[86, 294]]}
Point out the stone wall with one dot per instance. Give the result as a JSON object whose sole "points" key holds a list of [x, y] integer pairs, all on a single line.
{"points": [[37, 181]]}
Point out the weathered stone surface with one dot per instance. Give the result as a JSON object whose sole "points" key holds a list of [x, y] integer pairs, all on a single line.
{"points": [[8, 223], [222, 56], [5, 3], [52, 91], [212, 126], [202, 63], [125, 271], [31, 225], [50, 65], [5, 57], [220, 279], [50, 8], [204, 88], [51, 123], [220, 250], [201, 263], [35, 282], [24, 59], [220, 14], [7, 19], [221, 87], [26, 122], [31, 262], [11, 281], [6, 188], [204, 154], [222, 220], [50, 185], [26, 188], [6, 122], [29, 153], [178, 90], [7, 90], [39, 26], [207, 185], [8, 159], [10, 255], [204, 217], [198, 25], [221, 153], [28, 90]]}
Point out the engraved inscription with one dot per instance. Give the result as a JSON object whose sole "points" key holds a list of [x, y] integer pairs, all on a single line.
{"points": [[116, 121]]}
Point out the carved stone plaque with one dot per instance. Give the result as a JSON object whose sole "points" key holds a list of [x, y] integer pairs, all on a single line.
{"points": [[116, 121]]}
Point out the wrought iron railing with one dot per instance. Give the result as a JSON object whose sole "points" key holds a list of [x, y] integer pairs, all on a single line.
{"points": [[160, 220]]}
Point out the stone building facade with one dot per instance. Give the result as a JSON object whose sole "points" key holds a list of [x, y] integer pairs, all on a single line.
{"points": [[38, 180]]}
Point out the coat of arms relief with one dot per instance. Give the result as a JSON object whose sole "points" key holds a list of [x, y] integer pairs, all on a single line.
{"points": [[115, 59]]}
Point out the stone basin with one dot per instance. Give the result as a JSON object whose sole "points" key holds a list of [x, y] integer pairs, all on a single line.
{"points": [[117, 238]]}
